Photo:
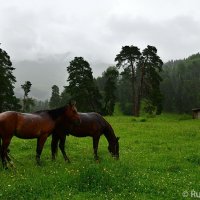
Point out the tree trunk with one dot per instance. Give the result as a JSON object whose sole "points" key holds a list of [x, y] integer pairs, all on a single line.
{"points": [[136, 103], [133, 86]]}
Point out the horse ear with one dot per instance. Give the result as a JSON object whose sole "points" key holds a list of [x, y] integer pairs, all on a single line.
{"points": [[118, 138], [72, 103]]}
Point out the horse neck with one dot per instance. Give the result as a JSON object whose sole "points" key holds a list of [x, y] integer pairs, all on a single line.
{"points": [[54, 114], [109, 134]]}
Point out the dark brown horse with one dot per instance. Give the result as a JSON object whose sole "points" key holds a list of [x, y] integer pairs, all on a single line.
{"points": [[36, 125], [93, 125]]}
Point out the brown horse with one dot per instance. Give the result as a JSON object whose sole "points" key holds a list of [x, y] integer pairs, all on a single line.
{"points": [[93, 125], [36, 125]]}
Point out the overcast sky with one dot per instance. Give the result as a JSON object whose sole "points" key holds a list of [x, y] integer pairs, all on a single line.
{"points": [[42, 36]]}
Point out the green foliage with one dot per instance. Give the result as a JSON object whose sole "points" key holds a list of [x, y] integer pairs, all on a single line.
{"points": [[124, 95], [159, 159], [111, 75], [147, 108], [55, 97], [128, 58], [180, 85], [126, 108], [26, 87], [82, 87], [117, 110], [65, 97], [7, 99]]}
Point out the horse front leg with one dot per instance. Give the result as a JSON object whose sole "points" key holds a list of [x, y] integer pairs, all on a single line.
{"points": [[62, 147], [40, 144], [95, 147], [4, 151], [54, 146]]}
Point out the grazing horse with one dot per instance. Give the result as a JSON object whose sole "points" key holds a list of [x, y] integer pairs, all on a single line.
{"points": [[91, 124], [36, 125]]}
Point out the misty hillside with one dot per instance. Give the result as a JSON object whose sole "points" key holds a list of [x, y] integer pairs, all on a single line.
{"points": [[46, 72]]}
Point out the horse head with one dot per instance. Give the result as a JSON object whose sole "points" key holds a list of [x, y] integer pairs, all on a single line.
{"points": [[114, 148], [72, 114]]}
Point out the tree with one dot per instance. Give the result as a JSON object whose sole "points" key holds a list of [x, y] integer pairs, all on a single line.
{"points": [[144, 71], [65, 96], [55, 97], [27, 102], [128, 58], [7, 99], [82, 87], [124, 92], [150, 67], [111, 75]]}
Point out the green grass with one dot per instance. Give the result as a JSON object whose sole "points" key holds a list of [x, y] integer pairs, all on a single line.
{"points": [[159, 159]]}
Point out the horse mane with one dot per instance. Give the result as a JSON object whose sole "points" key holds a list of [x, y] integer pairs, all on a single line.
{"points": [[54, 113]]}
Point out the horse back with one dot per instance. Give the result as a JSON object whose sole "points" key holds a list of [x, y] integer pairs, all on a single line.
{"points": [[33, 125], [91, 124]]}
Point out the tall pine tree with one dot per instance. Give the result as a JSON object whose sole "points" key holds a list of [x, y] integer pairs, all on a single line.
{"points": [[111, 75], [82, 87], [55, 97], [7, 99], [27, 102], [128, 59]]}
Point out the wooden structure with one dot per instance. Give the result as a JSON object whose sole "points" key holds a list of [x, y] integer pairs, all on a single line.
{"points": [[196, 113]]}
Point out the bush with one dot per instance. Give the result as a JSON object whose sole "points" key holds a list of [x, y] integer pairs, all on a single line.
{"points": [[147, 108]]}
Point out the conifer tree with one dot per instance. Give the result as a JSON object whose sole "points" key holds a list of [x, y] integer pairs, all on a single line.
{"points": [[55, 97], [8, 101], [82, 87]]}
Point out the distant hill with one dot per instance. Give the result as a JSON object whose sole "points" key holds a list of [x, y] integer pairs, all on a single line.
{"points": [[46, 72]]}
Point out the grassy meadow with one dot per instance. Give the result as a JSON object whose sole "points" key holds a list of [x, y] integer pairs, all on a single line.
{"points": [[159, 159]]}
